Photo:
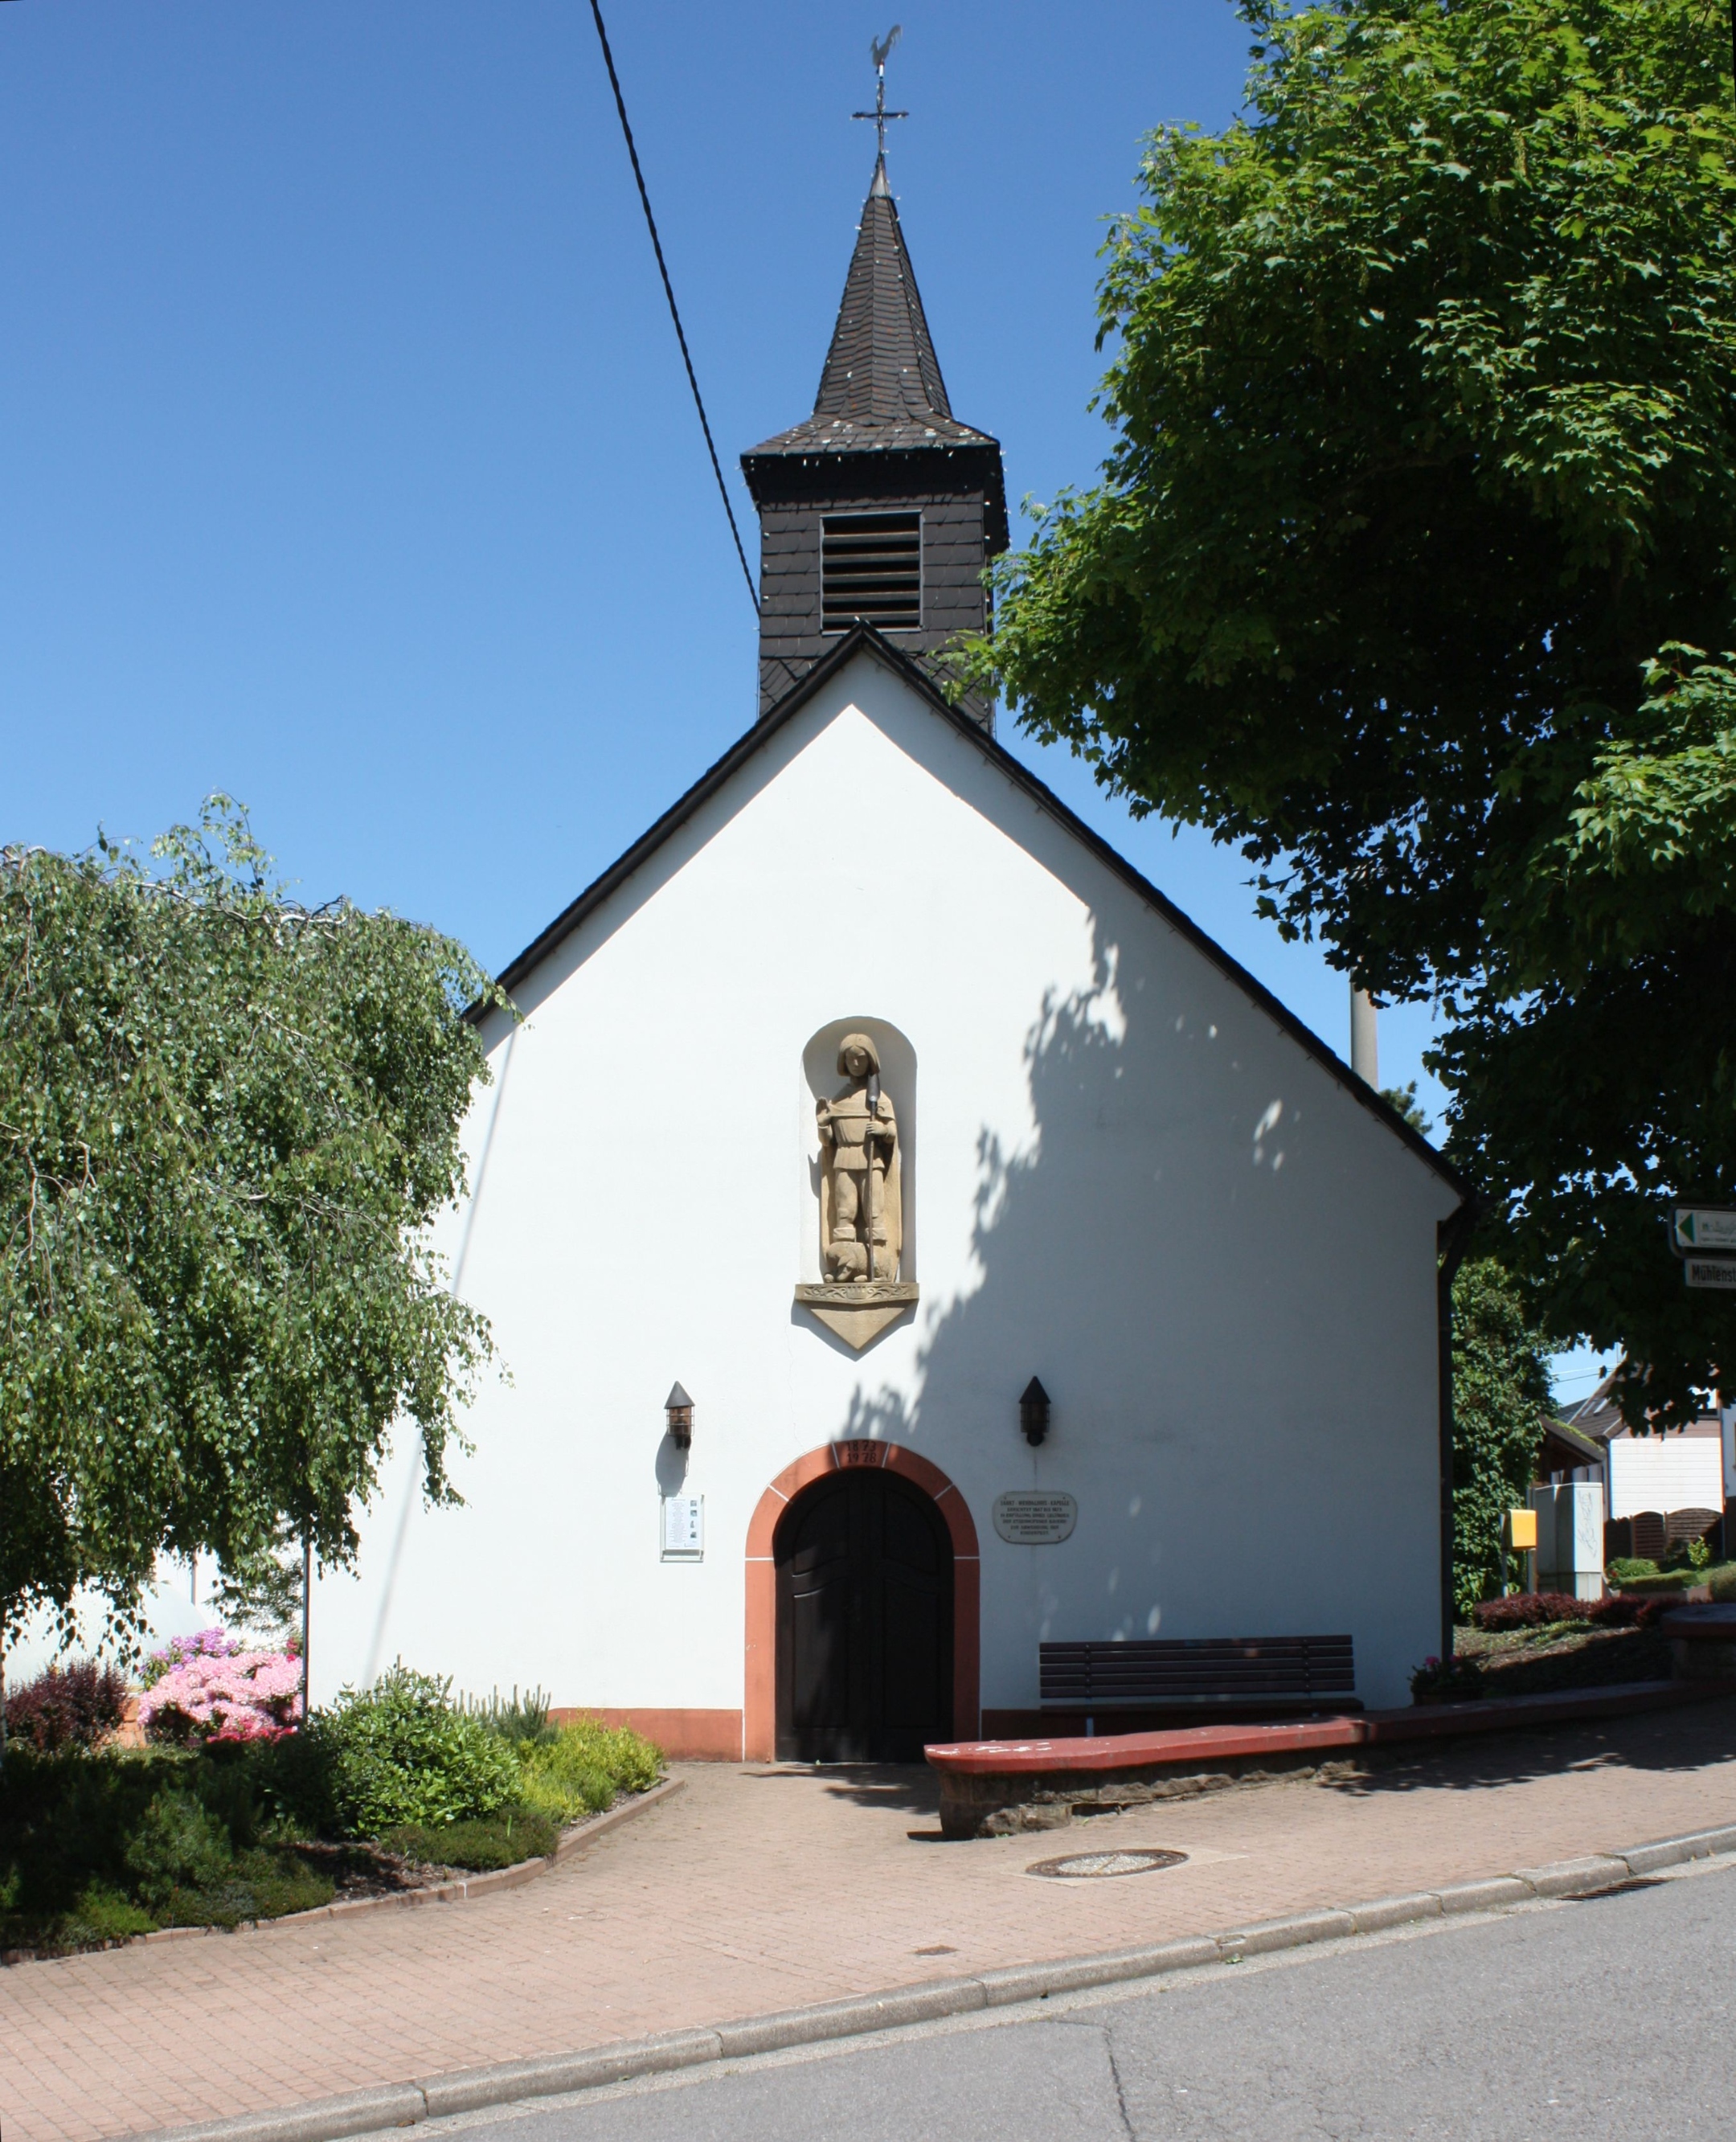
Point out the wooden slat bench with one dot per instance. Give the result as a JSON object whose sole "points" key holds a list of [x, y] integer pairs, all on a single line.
{"points": [[1199, 1673]]}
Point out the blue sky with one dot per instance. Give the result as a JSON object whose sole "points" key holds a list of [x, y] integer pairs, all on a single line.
{"points": [[348, 463]]}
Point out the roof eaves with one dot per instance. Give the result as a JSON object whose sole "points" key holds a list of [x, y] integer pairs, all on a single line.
{"points": [[1594, 1449], [870, 435]]}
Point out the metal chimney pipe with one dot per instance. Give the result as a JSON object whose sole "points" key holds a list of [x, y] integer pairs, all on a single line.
{"points": [[1364, 1048]]}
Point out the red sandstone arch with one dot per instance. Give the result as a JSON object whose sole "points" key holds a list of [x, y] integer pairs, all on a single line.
{"points": [[759, 1707]]}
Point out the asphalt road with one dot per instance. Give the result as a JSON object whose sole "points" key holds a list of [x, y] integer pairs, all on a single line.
{"points": [[1612, 2016]]}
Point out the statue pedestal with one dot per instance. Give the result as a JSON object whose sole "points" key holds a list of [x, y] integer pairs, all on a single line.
{"points": [[859, 1309]]}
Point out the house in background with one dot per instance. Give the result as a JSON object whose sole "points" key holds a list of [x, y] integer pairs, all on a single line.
{"points": [[1569, 1455], [1689, 1475]]}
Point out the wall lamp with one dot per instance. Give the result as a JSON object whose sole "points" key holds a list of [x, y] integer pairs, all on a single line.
{"points": [[679, 1407], [1033, 1412]]}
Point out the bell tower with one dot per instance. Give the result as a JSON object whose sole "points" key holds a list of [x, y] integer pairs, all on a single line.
{"points": [[880, 507]]}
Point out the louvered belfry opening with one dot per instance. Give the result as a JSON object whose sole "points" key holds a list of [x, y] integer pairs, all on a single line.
{"points": [[871, 571], [880, 505]]}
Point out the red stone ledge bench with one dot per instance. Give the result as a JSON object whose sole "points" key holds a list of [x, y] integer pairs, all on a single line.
{"points": [[1000, 1788], [1702, 1641]]}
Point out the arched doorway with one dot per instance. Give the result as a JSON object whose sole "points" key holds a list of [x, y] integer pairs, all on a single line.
{"points": [[759, 1708], [864, 1609]]}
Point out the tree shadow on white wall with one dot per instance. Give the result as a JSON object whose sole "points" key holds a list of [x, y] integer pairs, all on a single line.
{"points": [[1124, 1244]]}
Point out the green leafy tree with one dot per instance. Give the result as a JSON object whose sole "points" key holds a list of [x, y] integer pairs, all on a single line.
{"points": [[226, 1123], [1594, 1072], [260, 1590], [1403, 1100], [1420, 505], [1501, 1396]]}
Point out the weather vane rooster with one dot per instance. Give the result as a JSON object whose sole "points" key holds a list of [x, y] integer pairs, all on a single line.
{"points": [[878, 48]]}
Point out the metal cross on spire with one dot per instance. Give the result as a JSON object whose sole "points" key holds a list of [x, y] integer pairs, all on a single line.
{"points": [[878, 49]]}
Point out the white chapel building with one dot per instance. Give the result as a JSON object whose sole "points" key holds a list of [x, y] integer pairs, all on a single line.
{"points": [[913, 1242]]}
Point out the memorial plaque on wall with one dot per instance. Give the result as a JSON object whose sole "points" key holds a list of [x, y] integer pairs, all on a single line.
{"points": [[1034, 1517]]}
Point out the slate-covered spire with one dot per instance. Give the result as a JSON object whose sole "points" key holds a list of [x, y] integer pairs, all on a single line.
{"points": [[881, 386], [881, 505]]}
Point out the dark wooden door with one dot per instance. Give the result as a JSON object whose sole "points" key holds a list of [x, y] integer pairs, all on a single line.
{"points": [[865, 1588]]}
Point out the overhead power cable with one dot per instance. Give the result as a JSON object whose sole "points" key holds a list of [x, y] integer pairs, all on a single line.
{"points": [[614, 83]]}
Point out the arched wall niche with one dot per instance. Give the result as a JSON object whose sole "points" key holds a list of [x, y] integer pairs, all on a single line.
{"points": [[821, 1079]]}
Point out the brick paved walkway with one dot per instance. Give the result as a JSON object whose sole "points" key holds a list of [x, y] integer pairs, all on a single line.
{"points": [[758, 1888]]}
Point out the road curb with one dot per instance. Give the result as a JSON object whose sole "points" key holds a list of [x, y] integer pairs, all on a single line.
{"points": [[474, 2090], [458, 1891]]}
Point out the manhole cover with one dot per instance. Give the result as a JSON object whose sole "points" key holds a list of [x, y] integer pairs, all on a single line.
{"points": [[1095, 1866]]}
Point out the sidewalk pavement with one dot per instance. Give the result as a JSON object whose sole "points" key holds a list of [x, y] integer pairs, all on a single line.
{"points": [[761, 1887]]}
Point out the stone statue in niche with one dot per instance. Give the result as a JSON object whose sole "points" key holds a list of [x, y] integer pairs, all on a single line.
{"points": [[861, 1205], [861, 1191]]}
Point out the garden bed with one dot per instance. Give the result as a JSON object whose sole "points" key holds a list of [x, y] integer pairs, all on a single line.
{"points": [[394, 1790], [1562, 1654], [1642, 1580]]}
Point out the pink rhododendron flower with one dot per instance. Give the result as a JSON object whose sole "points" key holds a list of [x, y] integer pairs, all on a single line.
{"points": [[208, 1644], [236, 1695]]}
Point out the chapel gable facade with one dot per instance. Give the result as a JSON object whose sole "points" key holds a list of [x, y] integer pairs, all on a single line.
{"points": [[1012, 1262]]}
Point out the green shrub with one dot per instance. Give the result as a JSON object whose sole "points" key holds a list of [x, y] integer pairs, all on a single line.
{"points": [[260, 1885], [279, 1882], [1667, 1582], [1629, 1568], [1687, 1554], [513, 1717], [102, 1915], [177, 1845], [98, 1848], [565, 1789], [65, 1821], [293, 1779], [403, 1752], [1446, 1680], [496, 1840], [633, 1763], [580, 1770]]}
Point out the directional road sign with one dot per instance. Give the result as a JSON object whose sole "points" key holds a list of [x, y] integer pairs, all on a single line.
{"points": [[1704, 1227]]}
